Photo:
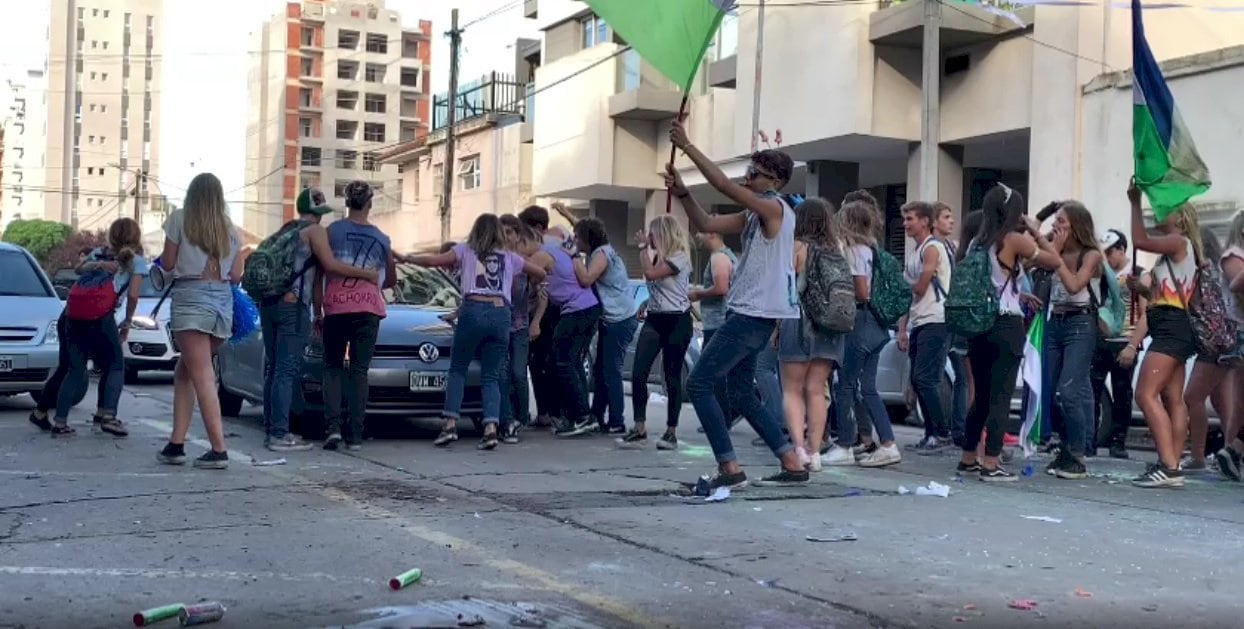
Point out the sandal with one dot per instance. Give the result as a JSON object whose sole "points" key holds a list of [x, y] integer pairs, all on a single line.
{"points": [[113, 426], [449, 434], [489, 441], [62, 430]]}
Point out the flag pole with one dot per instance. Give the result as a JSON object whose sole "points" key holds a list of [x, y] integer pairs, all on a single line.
{"points": [[682, 116]]}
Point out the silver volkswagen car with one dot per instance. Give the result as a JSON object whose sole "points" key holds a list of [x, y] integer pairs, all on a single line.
{"points": [[29, 345], [408, 372]]}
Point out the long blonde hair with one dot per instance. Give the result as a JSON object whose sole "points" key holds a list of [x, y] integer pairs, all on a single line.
{"points": [[1235, 237], [206, 221], [856, 224], [669, 237], [1191, 226]]}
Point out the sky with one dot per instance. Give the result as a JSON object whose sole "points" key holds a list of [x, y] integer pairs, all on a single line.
{"points": [[204, 91]]}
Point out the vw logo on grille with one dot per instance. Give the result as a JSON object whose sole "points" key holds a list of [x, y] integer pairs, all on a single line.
{"points": [[428, 353]]}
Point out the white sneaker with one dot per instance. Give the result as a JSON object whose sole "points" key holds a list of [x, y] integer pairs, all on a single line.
{"points": [[804, 460], [881, 457], [839, 456], [814, 463]]}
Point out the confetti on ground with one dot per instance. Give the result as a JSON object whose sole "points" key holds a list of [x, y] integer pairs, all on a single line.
{"points": [[1023, 605], [1082, 593], [969, 607], [1042, 518], [960, 619]]}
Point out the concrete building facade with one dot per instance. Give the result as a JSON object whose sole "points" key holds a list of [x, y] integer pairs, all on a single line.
{"points": [[1039, 104], [103, 109], [339, 83]]}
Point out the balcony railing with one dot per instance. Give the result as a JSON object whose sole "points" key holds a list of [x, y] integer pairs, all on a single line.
{"points": [[494, 93]]}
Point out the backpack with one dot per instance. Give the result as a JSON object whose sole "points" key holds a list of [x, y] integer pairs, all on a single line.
{"points": [[1214, 331], [269, 271], [828, 296], [93, 295], [972, 303], [891, 294], [1111, 310]]}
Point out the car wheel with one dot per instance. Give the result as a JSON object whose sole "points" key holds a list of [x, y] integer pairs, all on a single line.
{"points": [[131, 375]]}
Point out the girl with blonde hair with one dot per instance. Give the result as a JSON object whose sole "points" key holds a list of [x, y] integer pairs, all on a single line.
{"points": [[1232, 263], [201, 251], [665, 259]]}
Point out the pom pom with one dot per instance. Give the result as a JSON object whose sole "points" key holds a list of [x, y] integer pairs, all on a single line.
{"points": [[245, 315]]}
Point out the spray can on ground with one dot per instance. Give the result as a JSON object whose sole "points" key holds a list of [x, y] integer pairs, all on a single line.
{"points": [[156, 614], [201, 613], [406, 578]]}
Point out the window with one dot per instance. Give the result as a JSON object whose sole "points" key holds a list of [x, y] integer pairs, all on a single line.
{"points": [[94, 43], [347, 129], [310, 156], [103, 109], [347, 159], [106, 12], [309, 181], [373, 132], [308, 36], [339, 188], [105, 44], [307, 66], [347, 100], [90, 139], [370, 162], [347, 70], [410, 77], [304, 127], [374, 73], [92, 106], [348, 39], [377, 42], [103, 76], [374, 103], [407, 134], [468, 173], [94, 12], [595, 31], [438, 179], [103, 139], [92, 76], [90, 170], [304, 97]]}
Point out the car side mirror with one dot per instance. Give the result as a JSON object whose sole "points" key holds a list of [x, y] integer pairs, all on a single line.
{"points": [[62, 292]]}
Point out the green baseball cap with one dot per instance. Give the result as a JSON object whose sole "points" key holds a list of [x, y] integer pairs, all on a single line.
{"points": [[311, 201]]}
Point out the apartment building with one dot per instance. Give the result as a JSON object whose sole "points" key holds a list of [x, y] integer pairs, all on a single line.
{"points": [[1038, 99], [103, 109], [24, 164], [491, 173], [339, 83]]}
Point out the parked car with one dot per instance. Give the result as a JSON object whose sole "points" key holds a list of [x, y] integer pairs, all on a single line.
{"points": [[29, 344], [408, 371], [656, 379]]}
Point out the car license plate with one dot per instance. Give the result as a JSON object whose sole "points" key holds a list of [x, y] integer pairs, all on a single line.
{"points": [[6, 363], [427, 381]]}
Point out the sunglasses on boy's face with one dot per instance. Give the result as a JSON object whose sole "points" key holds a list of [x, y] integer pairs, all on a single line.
{"points": [[753, 173]]}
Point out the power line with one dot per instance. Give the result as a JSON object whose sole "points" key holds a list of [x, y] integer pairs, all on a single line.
{"points": [[495, 12]]}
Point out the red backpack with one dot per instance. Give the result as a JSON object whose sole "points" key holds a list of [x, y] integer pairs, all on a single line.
{"points": [[93, 296]]}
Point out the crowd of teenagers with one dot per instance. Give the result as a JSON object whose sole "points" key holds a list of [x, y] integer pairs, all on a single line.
{"points": [[793, 324]]}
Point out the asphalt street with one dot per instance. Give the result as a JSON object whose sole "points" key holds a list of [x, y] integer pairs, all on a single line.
{"points": [[576, 533]]}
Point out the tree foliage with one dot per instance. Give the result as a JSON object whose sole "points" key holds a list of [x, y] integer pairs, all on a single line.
{"points": [[38, 236], [65, 255]]}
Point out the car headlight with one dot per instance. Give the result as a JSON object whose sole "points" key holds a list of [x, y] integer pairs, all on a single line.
{"points": [[52, 335], [143, 323]]}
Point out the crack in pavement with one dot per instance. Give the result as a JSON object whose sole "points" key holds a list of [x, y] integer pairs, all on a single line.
{"points": [[161, 494], [18, 520], [139, 533]]}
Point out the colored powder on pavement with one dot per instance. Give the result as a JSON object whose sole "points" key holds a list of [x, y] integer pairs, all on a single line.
{"points": [[696, 452]]}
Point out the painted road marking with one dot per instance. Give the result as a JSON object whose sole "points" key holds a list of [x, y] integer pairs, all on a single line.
{"points": [[36, 474], [485, 556], [157, 573]]}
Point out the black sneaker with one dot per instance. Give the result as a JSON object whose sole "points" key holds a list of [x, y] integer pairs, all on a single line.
{"points": [[43, 423], [925, 443], [996, 475], [1118, 451], [510, 434], [333, 441], [212, 460], [584, 427], [784, 478], [1228, 463], [968, 468], [447, 436], [859, 450], [669, 441], [113, 426], [488, 441], [172, 454], [563, 427], [615, 430], [633, 440], [708, 484], [936, 445], [1157, 476], [1068, 467]]}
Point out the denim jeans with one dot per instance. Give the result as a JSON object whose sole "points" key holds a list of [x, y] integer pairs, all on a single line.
{"points": [[570, 344], [732, 355], [515, 397], [100, 342], [484, 329], [858, 380], [612, 339], [994, 357], [929, 345], [1071, 341], [1106, 365], [768, 382], [357, 331], [541, 361], [50, 393], [286, 332], [669, 334], [959, 404]]}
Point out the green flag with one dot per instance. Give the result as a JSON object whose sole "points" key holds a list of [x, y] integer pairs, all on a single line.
{"points": [[672, 35]]}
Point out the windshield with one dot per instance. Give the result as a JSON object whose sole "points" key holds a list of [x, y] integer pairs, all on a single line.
{"points": [[147, 289], [21, 278], [419, 286]]}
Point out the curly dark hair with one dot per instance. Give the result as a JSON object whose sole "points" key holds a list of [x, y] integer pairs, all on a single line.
{"points": [[776, 162], [592, 232], [535, 217]]}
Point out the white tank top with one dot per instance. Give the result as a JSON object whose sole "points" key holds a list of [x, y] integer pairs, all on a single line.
{"points": [[1008, 287]]}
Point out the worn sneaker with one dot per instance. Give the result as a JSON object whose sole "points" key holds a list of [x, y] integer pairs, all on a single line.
{"points": [[881, 457], [584, 427], [968, 468], [1069, 467], [113, 426], [1189, 465], [288, 443], [634, 440], [936, 445], [1228, 463], [43, 423], [668, 441], [447, 436], [564, 428], [785, 478], [488, 441], [996, 475], [838, 456], [615, 430], [1118, 451], [333, 441], [212, 460], [509, 436], [924, 444], [814, 463], [1156, 476], [862, 449], [708, 484], [172, 454]]}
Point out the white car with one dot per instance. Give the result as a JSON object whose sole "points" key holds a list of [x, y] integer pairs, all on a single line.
{"points": [[29, 344], [149, 346]]}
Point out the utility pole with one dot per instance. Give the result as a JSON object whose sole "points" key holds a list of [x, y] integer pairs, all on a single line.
{"points": [[447, 169], [138, 188], [760, 55], [68, 127], [930, 110]]}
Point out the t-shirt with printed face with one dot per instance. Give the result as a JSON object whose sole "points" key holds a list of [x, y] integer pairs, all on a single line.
{"points": [[493, 276], [364, 247]]}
